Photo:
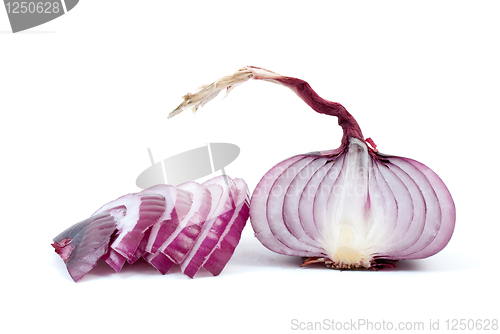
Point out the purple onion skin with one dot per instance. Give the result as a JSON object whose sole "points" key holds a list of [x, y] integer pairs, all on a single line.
{"points": [[162, 263], [84, 243]]}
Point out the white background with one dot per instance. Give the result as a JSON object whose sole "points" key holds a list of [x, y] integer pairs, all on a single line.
{"points": [[84, 96]]}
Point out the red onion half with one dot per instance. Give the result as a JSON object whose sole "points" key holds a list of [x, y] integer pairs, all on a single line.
{"points": [[347, 208], [192, 225]]}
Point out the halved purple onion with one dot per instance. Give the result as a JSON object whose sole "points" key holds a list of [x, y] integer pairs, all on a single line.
{"points": [[347, 208], [365, 209]]}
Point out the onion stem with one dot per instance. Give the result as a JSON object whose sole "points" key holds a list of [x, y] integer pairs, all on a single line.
{"points": [[206, 93]]}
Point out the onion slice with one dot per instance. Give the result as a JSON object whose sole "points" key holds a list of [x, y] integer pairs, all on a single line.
{"points": [[142, 211], [179, 202], [180, 241], [229, 234], [84, 243], [191, 225], [222, 222]]}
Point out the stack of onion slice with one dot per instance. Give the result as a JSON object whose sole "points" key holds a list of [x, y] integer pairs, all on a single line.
{"points": [[347, 208], [192, 225]]}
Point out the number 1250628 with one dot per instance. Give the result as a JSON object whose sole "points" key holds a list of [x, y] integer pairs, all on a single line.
{"points": [[471, 324], [40, 7]]}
